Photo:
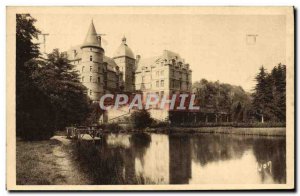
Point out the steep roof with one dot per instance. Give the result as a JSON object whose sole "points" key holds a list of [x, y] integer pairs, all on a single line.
{"points": [[169, 55], [124, 50], [166, 55], [111, 64], [91, 39]]}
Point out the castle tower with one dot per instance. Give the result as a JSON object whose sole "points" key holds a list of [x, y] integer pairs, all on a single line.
{"points": [[124, 58], [91, 64]]}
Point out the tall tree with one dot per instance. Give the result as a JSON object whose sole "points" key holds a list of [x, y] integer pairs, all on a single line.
{"points": [[263, 97], [58, 79], [278, 75], [32, 106]]}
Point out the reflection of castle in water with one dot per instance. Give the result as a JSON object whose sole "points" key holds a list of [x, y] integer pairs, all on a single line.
{"points": [[184, 159], [180, 159]]}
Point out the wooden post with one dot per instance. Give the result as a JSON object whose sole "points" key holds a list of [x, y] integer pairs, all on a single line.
{"points": [[69, 132]]}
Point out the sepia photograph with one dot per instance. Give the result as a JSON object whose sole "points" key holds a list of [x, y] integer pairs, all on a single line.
{"points": [[150, 98]]}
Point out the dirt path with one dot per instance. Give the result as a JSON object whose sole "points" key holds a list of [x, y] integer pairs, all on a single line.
{"points": [[48, 162], [69, 171]]}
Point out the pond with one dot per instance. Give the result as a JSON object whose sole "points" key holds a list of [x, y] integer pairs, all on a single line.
{"points": [[184, 159]]}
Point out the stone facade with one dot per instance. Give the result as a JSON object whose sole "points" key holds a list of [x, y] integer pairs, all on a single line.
{"points": [[164, 75]]}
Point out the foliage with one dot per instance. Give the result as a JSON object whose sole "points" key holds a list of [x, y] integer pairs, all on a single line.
{"points": [[56, 77], [49, 95], [218, 97], [112, 127], [159, 124], [269, 97], [141, 119], [93, 114], [32, 105]]}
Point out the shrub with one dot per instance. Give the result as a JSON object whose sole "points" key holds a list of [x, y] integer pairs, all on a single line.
{"points": [[141, 119], [159, 124], [112, 127]]}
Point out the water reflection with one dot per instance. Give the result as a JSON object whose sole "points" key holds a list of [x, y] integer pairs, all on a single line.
{"points": [[184, 159]]}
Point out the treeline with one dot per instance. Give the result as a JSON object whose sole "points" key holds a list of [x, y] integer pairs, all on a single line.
{"points": [[219, 97], [269, 97], [266, 103], [49, 95]]}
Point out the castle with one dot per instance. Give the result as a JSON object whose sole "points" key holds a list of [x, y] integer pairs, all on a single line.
{"points": [[165, 74]]}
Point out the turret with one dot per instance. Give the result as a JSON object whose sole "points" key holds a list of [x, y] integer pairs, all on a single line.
{"points": [[92, 62], [124, 58]]}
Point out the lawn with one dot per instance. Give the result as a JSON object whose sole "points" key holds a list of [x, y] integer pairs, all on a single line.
{"points": [[47, 162]]}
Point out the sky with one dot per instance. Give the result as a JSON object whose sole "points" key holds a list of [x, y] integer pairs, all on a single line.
{"points": [[217, 47]]}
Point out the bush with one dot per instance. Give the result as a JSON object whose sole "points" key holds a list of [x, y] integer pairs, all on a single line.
{"points": [[141, 119], [160, 124], [112, 127]]}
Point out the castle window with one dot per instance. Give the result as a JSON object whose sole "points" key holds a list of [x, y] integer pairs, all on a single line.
{"points": [[91, 68], [157, 83], [162, 72], [91, 78], [162, 83], [91, 49], [98, 79], [91, 92], [91, 58], [99, 69], [82, 69], [82, 79]]}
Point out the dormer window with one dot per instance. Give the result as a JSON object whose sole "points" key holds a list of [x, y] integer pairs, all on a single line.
{"points": [[91, 58]]}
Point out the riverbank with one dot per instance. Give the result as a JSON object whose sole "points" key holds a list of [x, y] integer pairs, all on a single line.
{"points": [[258, 129], [270, 131], [47, 162]]}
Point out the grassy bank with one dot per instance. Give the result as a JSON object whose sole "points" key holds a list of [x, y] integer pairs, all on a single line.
{"points": [[46, 162], [271, 131], [262, 129]]}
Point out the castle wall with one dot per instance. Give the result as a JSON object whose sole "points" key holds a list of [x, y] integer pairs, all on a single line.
{"points": [[91, 71]]}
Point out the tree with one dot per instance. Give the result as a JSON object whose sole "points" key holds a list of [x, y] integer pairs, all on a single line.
{"points": [[59, 81], [262, 95], [94, 114], [278, 75], [32, 106], [141, 119], [223, 97], [270, 94]]}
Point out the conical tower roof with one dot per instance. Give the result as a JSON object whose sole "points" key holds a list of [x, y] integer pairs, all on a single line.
{"points": [[91, 39]]}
